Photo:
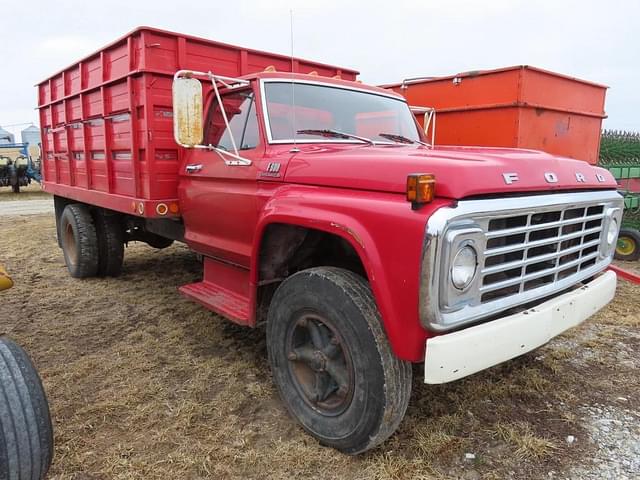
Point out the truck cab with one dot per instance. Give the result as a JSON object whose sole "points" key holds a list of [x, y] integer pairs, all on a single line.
{"points": [[324, 213]]}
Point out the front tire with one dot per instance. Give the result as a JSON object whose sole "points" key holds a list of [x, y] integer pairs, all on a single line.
{"points": [[79, 241], [332, 362]]}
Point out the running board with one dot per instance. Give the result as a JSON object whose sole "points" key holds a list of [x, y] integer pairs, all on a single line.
{"points": [[224, 290]]}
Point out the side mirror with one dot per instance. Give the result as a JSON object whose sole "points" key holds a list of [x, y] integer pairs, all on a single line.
{"points": [[187, 111]]}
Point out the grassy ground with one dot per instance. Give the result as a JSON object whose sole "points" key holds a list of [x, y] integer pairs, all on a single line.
{"points": [[144, 384], [32, 192]]}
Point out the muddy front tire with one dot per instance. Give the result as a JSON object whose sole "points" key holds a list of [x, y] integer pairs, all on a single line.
{"points": [[332, 362], [26, 434], [79, 241]]}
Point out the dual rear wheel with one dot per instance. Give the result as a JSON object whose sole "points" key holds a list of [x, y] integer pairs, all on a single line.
{"points": [[93, 239], [92, 242]]}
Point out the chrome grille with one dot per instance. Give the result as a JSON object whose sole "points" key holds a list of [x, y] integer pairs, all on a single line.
{"points": [[529, 248], [527, 251]]}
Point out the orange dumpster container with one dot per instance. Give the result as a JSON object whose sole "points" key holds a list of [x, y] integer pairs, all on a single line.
{"points": [[521, 106]]}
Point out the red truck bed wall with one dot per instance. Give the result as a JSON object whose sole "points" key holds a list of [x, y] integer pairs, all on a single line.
{"points": [[107, 120]]}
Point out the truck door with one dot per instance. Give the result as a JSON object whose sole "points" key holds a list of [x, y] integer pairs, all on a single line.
{"points": [[219, 201]]}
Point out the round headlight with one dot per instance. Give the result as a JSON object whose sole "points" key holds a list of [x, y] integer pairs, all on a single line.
{"points": [[463, 268], [612, 232]]}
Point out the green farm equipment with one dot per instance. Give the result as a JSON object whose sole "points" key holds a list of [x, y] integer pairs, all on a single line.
{"points": [[620, 154]]}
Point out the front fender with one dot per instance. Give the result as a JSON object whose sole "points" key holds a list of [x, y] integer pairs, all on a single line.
{"points": [[386, 234]]}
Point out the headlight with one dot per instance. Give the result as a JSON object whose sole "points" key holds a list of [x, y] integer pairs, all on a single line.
{"points": [[463, 267]]}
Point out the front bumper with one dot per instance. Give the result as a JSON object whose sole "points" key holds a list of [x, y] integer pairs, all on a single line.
{"points": [[455, 355]]}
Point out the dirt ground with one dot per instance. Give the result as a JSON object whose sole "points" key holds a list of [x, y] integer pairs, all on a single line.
{"points": [[31, 192], [144, 384]]}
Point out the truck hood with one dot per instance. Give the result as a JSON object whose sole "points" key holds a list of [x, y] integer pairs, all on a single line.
{"points": [[459, 171]]}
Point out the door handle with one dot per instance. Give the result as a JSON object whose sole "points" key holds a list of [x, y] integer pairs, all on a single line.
{"points": [[193, 168]]}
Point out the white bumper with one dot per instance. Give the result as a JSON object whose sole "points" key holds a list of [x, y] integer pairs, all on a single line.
{"points": [[455, 355]]}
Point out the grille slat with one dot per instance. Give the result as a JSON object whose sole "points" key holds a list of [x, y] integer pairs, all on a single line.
{"points": [[541, 258], [532, 250], [539, 243], [528, 228], [533, 276]]}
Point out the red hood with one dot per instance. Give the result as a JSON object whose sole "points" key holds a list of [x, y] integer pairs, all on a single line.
{"points": [[460, 171]]}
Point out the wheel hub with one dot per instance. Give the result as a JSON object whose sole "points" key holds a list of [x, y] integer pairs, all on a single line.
{"points": [[320, 364]]}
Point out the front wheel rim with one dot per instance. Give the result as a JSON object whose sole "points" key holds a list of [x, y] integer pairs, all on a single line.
{"points": [[320, 364]]}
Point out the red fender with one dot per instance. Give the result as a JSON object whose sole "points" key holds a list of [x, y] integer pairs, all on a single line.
{"points": [[390, 252]]}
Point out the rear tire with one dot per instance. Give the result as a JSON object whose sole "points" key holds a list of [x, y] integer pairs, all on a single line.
{"points": [[26, 433], [110, 235], [15, 188], [628, 246], [79, 241], [331, 360]]}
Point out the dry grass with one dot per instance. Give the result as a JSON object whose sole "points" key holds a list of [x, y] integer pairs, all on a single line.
{"points": [[144, 384], [32, 192], [525, 443]]}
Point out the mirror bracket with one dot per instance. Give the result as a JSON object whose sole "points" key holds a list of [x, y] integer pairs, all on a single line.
{"points": [[234, 158], [429, 121]]}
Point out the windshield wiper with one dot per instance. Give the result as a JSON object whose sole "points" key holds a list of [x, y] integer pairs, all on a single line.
{"points": [[335, 134], [401, 139]]}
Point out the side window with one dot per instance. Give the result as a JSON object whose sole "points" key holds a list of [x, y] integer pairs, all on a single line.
{"points": [[250, 136], [243, 123]]}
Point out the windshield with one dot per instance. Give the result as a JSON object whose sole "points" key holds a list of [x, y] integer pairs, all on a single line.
{"points": [[293, 108]]}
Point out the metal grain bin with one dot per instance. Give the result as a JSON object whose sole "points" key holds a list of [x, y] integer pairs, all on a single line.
{"points": [[6, 137], [31, 135]]}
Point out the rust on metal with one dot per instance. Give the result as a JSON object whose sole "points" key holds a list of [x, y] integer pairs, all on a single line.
{"points": [[350, 232]]}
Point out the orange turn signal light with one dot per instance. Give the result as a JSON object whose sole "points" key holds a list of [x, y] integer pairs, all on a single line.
{"points": [[421, 188]]}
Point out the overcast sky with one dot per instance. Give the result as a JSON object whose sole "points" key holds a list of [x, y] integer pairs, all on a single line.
{"points": [[385, 41]]}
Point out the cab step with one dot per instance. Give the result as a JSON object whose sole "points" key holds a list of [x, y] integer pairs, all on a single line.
{"points": [[224, 290]]}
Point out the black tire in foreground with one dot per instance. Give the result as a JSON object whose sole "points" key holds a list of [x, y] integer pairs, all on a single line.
{"points": [[332, 362], [628, 246], [110, 233], [26, 434], [79, 241]]}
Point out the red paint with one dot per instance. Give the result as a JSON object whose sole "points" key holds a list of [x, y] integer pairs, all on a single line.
{"points": [[107, 125], [626, 274], [354, 191]]}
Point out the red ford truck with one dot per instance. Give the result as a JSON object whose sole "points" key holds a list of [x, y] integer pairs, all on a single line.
{"points": [[321, 210]]}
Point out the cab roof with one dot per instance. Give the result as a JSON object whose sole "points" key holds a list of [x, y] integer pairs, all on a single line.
{"points": [[321, 79]]}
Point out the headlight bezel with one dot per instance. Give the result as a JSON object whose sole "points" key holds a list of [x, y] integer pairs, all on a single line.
{"points": [[612, 216], [457, 238]]}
